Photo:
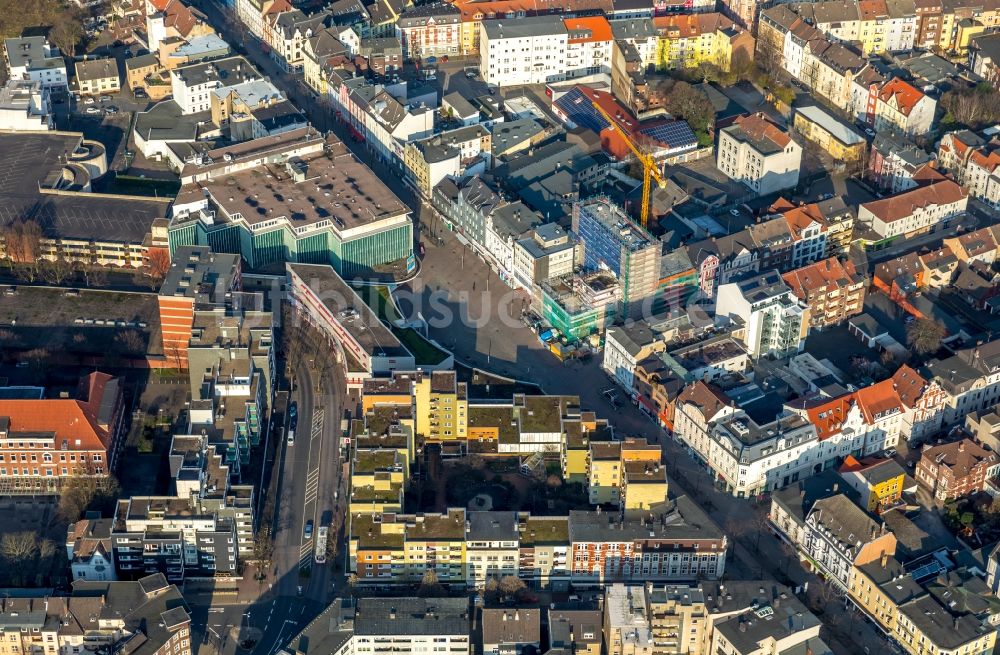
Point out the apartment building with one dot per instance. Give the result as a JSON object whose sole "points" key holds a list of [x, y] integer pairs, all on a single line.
{"points": [[984, 57], [491, 547], [512, 631], [170, 21], [975, 163], [969, 381], [612, 241], [677, 541], [775, 321], [97, 77], [193, 85], [833, 290], [915, 211], [548, 251], [776, 623], [576, 632], [34, 58], [690, 40], [287, 33], [758, 153], [896, 162], [626, 627], [55, 169], [430, 30], [840, 536], [878, 482], [607, 463], [47, 442], [412, 626], [528, 50], [148, 616], [956, 469], [627, 345], [589, 44], [898, 105]]}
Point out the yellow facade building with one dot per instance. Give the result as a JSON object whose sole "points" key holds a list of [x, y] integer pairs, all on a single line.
{"points": [[690, 40], [442, 407], [837, 139], [644, 485]]}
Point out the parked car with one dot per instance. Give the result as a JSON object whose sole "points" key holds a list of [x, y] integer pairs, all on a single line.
{"points": [[309, 529], [93, 110], [890, 452], [105, 98], [111, 110], [870, 132], [88, 100]]}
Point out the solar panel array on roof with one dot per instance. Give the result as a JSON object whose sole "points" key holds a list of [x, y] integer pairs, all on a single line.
{"points": [[676, 134], [578, 109]]}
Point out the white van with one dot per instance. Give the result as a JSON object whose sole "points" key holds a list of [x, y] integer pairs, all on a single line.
{"points": [[291, 437]]}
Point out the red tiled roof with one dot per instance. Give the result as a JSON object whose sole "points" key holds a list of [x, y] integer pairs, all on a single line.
{"points": [[759, 127], [598, 26], [909, 385], [690, 25], [878, 398], [906, 95], [500, 8], [901, 205], [825, 275], [706, 397], [829, 416], [71, 420]]}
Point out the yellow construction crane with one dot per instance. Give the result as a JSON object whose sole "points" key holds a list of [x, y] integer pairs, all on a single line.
{"points": [[649, 167]]}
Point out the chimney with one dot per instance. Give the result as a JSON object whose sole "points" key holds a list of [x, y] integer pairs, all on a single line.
{"points": [[885, 559], [836, 487]]}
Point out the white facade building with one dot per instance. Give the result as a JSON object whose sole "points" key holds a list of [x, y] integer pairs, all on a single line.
{"points": [[915, 210], [24, 107], [530, 50], [775, 321], [33, 58], [758, 153]]}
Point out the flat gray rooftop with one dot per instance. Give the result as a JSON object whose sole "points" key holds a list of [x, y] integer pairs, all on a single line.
{"points": [[31, 158]]}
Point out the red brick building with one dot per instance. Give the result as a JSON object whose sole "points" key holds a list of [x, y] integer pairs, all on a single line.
{"points": [[956, 469], [45, 442]]}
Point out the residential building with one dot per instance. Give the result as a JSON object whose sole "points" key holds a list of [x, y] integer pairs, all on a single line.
{"points": [[33, 58], [466, 205], [430, 30], [544, 544], [690, 40], [548, 251], [25, 107], [504, 44], [429, 161], [193, 85], [146, 617], [55, 169], [758, 153], [896, 162], [415, 625], [778, 624], [878, 482], [219, 204], [47, 442], [833, 290], [969, 380], [837, 139], [589, 43], [626, 626], [918, 210], [505, 226], [612, 241], [441, 405], [365, 345], [678, 617], [775, 321], [984, 57], [491, 550], [89, 549], [984, 427], [171, 21], [901, 106], [956, 469], [840, 536], [97, 77], [576, 632], [627, 345], [511, 631], [644, 485], [289, 31]]}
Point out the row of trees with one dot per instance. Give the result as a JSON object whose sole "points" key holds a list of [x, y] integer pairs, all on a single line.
{"points": [[974, 108], [23, 242]]}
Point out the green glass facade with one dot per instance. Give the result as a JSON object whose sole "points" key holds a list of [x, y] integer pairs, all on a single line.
{"points": [[280, 245], [578, 325]]}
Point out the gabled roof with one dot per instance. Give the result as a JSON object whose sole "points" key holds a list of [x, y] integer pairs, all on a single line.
{"points": [[879, 399], [903, 205], [909, 385], [827, 275], [706, 397], [588, 29], [900, 94], [829, 416]]}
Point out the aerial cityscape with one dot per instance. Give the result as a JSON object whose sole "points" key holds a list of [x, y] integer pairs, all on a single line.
{"points": [[500, 327]]}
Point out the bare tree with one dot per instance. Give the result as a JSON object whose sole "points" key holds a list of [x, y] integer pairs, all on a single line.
{"points": [[924, 336], [19, 550], [23, 244], [430, 585], [131, 341], [263, 552], [55, 271], [509, 585]]}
